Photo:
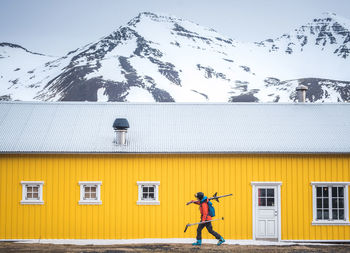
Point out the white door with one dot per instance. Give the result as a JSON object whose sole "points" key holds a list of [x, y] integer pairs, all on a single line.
{"points": [[266, 212]]}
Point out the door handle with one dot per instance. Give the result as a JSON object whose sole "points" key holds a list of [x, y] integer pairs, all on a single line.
{"points": [[276, 213]]}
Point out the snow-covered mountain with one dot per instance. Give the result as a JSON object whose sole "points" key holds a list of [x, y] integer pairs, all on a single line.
{"points": [[16, 62], [166, 59], [329, 33]]}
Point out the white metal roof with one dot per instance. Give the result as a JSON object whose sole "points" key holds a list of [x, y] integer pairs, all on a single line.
{"points": [[82, 127]]}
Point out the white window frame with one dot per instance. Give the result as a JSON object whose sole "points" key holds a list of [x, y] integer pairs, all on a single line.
{"points": [[346, 203], [25, 201], [82, 185], [156, 192]]}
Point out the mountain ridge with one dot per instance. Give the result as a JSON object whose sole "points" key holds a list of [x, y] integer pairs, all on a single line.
{"points": [[327, 29], [167, 59]]}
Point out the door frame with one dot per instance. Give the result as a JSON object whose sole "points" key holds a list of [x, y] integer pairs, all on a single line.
{"points": [[278, 195]]}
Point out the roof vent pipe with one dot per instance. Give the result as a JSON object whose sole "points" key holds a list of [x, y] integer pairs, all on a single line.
{"points": [[121, 126], [301, 93]]}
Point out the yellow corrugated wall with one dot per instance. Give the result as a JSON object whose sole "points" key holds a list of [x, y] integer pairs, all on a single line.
{"points": [[180, 176]]}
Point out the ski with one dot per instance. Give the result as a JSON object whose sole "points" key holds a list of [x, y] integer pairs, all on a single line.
{"points": [[215, 197], [188, 225]]}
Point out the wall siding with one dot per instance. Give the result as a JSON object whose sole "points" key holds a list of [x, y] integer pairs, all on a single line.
{"points": [[180, 176]]}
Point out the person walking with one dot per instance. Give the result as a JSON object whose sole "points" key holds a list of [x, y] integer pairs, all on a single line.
{"points": [[204, 209]]}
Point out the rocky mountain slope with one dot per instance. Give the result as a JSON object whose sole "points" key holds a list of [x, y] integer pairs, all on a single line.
{"points": [[167, 59]]}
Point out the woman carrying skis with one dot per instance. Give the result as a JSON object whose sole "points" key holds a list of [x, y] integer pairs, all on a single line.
{"points": [[204, 209]]}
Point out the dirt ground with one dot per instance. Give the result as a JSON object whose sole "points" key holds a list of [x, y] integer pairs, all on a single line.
{"points": [[23, 247]]}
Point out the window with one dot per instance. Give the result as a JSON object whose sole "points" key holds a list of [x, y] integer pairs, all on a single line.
{"points": [[32, 192], [90, 193], [330, 203], [148, 193], [266, 197]]}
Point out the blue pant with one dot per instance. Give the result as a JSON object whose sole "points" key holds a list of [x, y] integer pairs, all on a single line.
{"points": [[209, 228]]}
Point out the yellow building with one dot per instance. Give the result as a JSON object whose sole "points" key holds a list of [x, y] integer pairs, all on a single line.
{"points": [[65, 173]]}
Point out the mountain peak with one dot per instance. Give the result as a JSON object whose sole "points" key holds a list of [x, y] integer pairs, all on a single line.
{"points": [[329, 32], [149, 14], [153, 17], [11, 45], [329, 18], [15, 46], [328, 15], [148, 23]]}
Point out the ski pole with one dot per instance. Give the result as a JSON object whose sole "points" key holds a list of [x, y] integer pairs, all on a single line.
{"points": [[188, 225]]}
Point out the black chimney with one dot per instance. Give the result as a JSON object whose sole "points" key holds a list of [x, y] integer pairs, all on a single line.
{"points": [[121, 126]]}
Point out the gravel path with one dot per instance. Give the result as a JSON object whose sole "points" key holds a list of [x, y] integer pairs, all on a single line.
{"points": [[23, 247]]}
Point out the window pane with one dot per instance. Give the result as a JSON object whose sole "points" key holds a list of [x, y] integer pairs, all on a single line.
{"points": [[93, 195], [325, 191], [326, 214], [29, 195], [151, 189], [93, 189], [270, 201], [335, 203], [35, 189], [262, 202], [262, 192], [270, 193], [145, 189], [319, 191], [87, 195], [36, 195], [29, 189], [151, 195], [87, 189], [335, 214], [322, 203], [145, 195], [334, 191], [325, 203]]}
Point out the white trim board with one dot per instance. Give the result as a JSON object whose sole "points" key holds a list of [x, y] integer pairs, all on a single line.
{"points": [[327, 183], [171, 240], [314, 242], [269, 183]]}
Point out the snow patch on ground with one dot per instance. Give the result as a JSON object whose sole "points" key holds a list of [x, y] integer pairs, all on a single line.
{"points": [[126, 49], [109, 70], [101, 97], [137, 94]]}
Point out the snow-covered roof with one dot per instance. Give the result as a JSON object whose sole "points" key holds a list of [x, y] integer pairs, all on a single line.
{"points": [[83, 127]]}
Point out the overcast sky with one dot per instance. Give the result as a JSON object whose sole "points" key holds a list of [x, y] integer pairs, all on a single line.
{"points": [[58, 26]]}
